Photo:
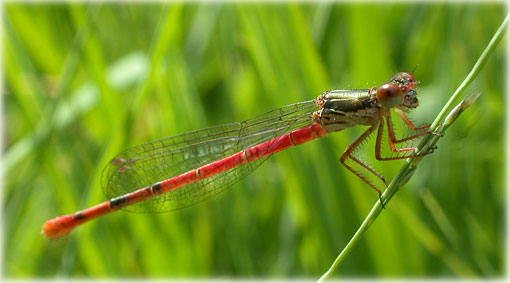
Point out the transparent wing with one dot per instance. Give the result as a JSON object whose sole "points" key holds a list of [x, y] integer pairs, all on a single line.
{"points": [[155, 161]]}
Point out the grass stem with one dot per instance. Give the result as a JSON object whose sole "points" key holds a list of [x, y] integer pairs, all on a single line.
{"points": [[409, 167]]}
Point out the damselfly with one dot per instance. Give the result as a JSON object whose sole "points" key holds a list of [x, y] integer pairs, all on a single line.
{"points": [[179, 171]]}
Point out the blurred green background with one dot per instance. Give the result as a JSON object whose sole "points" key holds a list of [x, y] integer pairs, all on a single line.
{"points": [[83, 82]]}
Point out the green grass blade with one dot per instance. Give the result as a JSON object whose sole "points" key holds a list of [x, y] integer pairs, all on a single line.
{"points": [[409, 167]]}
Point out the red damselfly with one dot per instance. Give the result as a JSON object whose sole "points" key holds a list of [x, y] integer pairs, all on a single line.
{"points": [[179, 171]]}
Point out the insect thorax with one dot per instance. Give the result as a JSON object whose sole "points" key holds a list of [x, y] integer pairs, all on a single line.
{"points": [[342, 109]]}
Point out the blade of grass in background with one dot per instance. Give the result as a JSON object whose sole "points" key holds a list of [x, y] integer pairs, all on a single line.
{"points": [[441, 123]]}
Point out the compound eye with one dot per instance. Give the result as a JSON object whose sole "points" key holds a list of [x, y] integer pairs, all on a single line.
{"points": [[388, 91], [410, 77]]}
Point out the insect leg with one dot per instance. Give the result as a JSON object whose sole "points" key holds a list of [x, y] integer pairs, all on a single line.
{"points": [[348, 155], [392, 140]]}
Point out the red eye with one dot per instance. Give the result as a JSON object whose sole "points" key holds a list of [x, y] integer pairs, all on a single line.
{"points": [[410, 78], [387, 91]]}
